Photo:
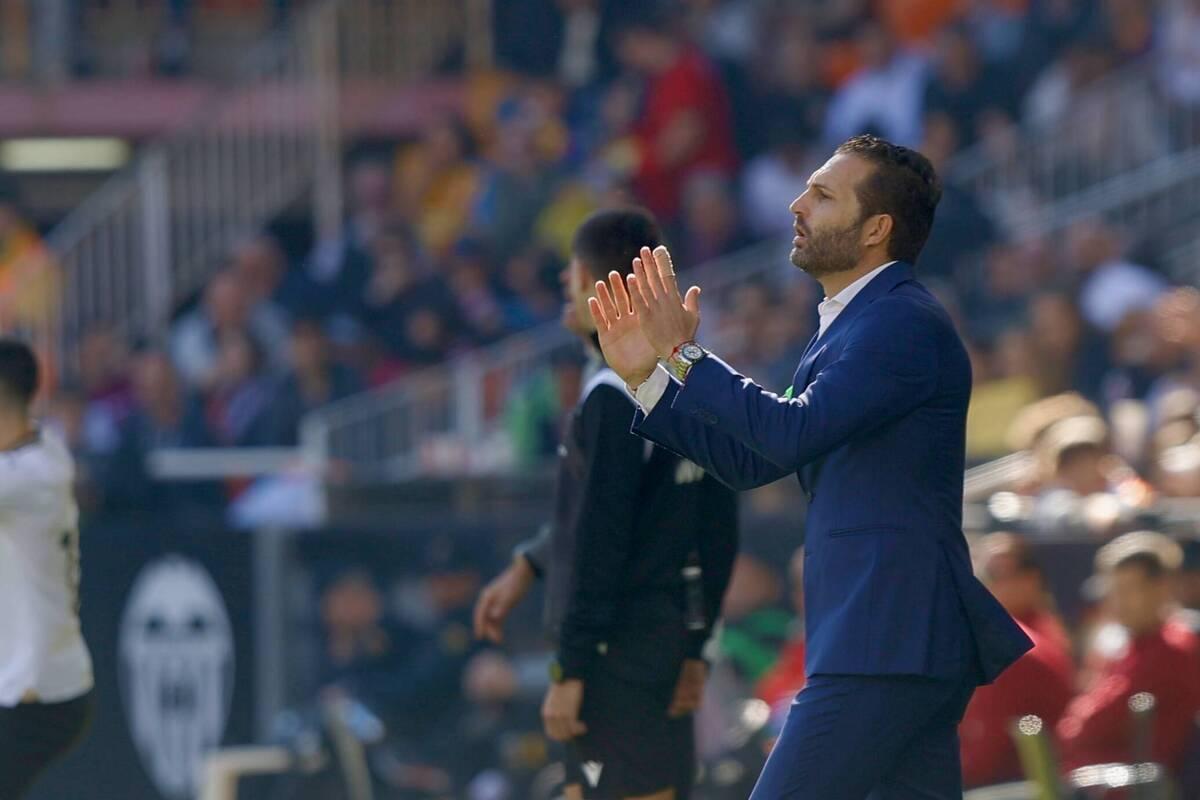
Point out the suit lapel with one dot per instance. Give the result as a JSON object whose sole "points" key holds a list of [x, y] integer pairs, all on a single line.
{"points": [[882, 283]]}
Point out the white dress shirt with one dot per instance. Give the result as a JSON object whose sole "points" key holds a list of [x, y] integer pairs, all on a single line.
{"points": [[653, 388]]}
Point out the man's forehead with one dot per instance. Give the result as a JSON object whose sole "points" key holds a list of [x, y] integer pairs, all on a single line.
{"points": [[841, 170]]}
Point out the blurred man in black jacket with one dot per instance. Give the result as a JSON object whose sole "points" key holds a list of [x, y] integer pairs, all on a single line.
{"points": [[636, 563]]}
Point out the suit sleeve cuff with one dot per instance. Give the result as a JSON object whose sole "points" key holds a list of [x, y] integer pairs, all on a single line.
{"points": [[575, 662]]}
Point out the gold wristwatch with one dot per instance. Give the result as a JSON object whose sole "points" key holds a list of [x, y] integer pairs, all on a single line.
{"points": [[683, 358]]}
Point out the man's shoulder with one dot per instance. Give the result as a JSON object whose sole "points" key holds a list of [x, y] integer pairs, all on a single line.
{"points": [[908, 306], [602, 384]]}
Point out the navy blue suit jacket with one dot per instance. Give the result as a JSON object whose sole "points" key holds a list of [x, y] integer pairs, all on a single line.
{"points": [[876, 434]]}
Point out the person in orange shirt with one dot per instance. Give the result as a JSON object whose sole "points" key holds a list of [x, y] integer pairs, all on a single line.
{"points": [[1040, 683], [1159, 657], [914, 22]]}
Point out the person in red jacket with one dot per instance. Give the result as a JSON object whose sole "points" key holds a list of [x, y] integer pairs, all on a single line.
{"points": [[1159, 657], [1006, 564], [1041, 682], [685, 125]]}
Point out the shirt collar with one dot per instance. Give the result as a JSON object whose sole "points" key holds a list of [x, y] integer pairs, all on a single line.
{"points": [[843, 298]]}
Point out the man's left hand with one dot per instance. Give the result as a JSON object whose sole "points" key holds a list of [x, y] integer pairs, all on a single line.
{"points": [[666, 319], [560, 710], [689, 691]]}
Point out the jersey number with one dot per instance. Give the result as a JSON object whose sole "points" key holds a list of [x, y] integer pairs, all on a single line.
{"points": [[70, 546]]}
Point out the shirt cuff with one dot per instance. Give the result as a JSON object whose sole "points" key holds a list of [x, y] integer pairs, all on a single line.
{"points": [[652, 389]]}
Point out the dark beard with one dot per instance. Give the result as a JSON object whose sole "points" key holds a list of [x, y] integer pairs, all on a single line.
{"points": [[827, 252]]}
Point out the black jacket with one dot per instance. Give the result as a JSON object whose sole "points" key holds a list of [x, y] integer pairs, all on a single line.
{"points": [[628, 516]]}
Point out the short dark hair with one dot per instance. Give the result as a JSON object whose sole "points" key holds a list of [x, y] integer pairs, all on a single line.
{"points": [[18, 372], [612, 238], [904, 186]]}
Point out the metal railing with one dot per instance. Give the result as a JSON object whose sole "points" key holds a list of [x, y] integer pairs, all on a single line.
{"points": [[450, 419], [1120, 127], [156, 232]]}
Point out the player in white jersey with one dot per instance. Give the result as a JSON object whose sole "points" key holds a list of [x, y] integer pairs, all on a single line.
{"points": [[45, 668]]}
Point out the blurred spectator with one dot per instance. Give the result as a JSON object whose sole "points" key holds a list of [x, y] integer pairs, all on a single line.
{"points": [[1007, 566], [313, 380], [772, 180], [522, 175], [271, 287], [29, 279], [685, 122], [1084, 60], [338, 266], [789, 86], [1131, 25], [711, 224], [1004, 386], [564, 39], [961, 230], [787, 677], [1049, 27], [962, 87], [1072, 456], [1188, 584], [1179, 56], [1178, 470], [1110, 286], [163, 416], [1175, 326], [104, 380], [914, 22], [755, 627], [437, 180], [1041, 682], [884, 97], [225, 310], [399, 305], [237, 400], [726, 29], [1071, 354], [477, 302], [529, 295], [1138, 570]]}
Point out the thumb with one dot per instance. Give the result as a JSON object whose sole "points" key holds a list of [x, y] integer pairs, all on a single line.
{"points": [[692, 300]]}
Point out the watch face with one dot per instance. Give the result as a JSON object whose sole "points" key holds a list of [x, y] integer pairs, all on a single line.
{"points": [[692, 352]]}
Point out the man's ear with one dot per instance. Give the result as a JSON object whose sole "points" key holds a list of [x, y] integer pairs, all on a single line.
{"points": [[877, 230]]}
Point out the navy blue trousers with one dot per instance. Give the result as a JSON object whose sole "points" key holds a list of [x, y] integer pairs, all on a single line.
{"points": [[867, 737]]}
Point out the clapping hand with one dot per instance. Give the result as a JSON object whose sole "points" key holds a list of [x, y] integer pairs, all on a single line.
{"points": [[643, 318]]}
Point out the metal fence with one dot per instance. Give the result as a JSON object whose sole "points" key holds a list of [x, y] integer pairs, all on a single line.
{"points": [[157, 231], [1115, 141]]}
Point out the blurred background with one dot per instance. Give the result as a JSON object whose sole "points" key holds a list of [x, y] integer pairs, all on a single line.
{"points": [[293, 268]]}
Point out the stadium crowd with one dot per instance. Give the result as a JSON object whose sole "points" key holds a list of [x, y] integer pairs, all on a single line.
{"points": [[456, 238], [712, 113]]}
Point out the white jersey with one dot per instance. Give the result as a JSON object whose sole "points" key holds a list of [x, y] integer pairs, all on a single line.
{"points": [[42, 653]]}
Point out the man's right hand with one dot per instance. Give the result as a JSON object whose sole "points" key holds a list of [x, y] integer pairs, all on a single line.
{"points": [[500, 597], [626, 349]]}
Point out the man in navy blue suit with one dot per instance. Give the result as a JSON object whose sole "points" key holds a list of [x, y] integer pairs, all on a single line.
{"points": [[899, 631]]}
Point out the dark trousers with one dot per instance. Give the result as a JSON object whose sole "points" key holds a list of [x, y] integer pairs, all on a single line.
{"points": [[33, 735], [860, 737]]}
